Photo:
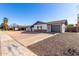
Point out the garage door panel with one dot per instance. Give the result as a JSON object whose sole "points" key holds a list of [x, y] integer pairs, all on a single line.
{"points": [[56, 28]]}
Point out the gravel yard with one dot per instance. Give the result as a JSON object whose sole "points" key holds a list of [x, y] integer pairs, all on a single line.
{"points": [[66, 44]]}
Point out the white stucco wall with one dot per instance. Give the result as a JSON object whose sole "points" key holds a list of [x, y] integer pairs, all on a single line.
{"points": [[32, 28], [63, 28], [44, 26], [49, 28]]}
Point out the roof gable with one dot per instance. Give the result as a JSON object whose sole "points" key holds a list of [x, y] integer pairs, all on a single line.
{"points": [[58, 22], [39, 22]]}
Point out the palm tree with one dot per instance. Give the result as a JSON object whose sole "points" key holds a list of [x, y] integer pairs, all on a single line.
{"points": [[5, 23]]}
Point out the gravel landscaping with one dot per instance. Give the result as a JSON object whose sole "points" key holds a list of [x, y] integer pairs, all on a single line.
{"points": [[66, 44]]}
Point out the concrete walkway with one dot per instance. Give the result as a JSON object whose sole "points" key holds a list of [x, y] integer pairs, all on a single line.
{"points": [[9, 47]]}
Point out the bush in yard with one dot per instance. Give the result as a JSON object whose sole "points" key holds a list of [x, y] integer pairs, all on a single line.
{"points": [[71, 52], [71, 28]]}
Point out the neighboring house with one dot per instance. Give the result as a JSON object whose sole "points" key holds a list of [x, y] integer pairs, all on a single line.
{"points": [[28, 28], [77, 25], [17, 27], [54, 26]]}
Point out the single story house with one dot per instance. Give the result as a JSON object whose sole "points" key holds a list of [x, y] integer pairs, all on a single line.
{"points": [[54, 26]]}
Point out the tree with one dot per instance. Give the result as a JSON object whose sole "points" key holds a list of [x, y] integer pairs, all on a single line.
{"points": [[71, 28], [70, 25], [1, 26], [5, 23]]}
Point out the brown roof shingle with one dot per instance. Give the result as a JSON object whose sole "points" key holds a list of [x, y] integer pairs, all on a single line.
{"points": [[58, 22]]}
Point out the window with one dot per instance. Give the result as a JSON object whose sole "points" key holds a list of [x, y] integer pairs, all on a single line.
{"points": [[37, 27], [41, 27]]}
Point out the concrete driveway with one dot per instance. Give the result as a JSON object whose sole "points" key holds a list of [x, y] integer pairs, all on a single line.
{"points": [[15, 43], [27, 39], [10, 47]]}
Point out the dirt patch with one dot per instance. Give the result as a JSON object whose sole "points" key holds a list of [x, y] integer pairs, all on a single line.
{"points": [[57, 45]]}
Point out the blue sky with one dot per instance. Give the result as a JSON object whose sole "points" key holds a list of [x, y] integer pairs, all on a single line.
{"points": [[28, 13]]}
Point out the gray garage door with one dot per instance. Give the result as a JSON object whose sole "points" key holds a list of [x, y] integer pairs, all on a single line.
{"points": [[55, 28]]}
